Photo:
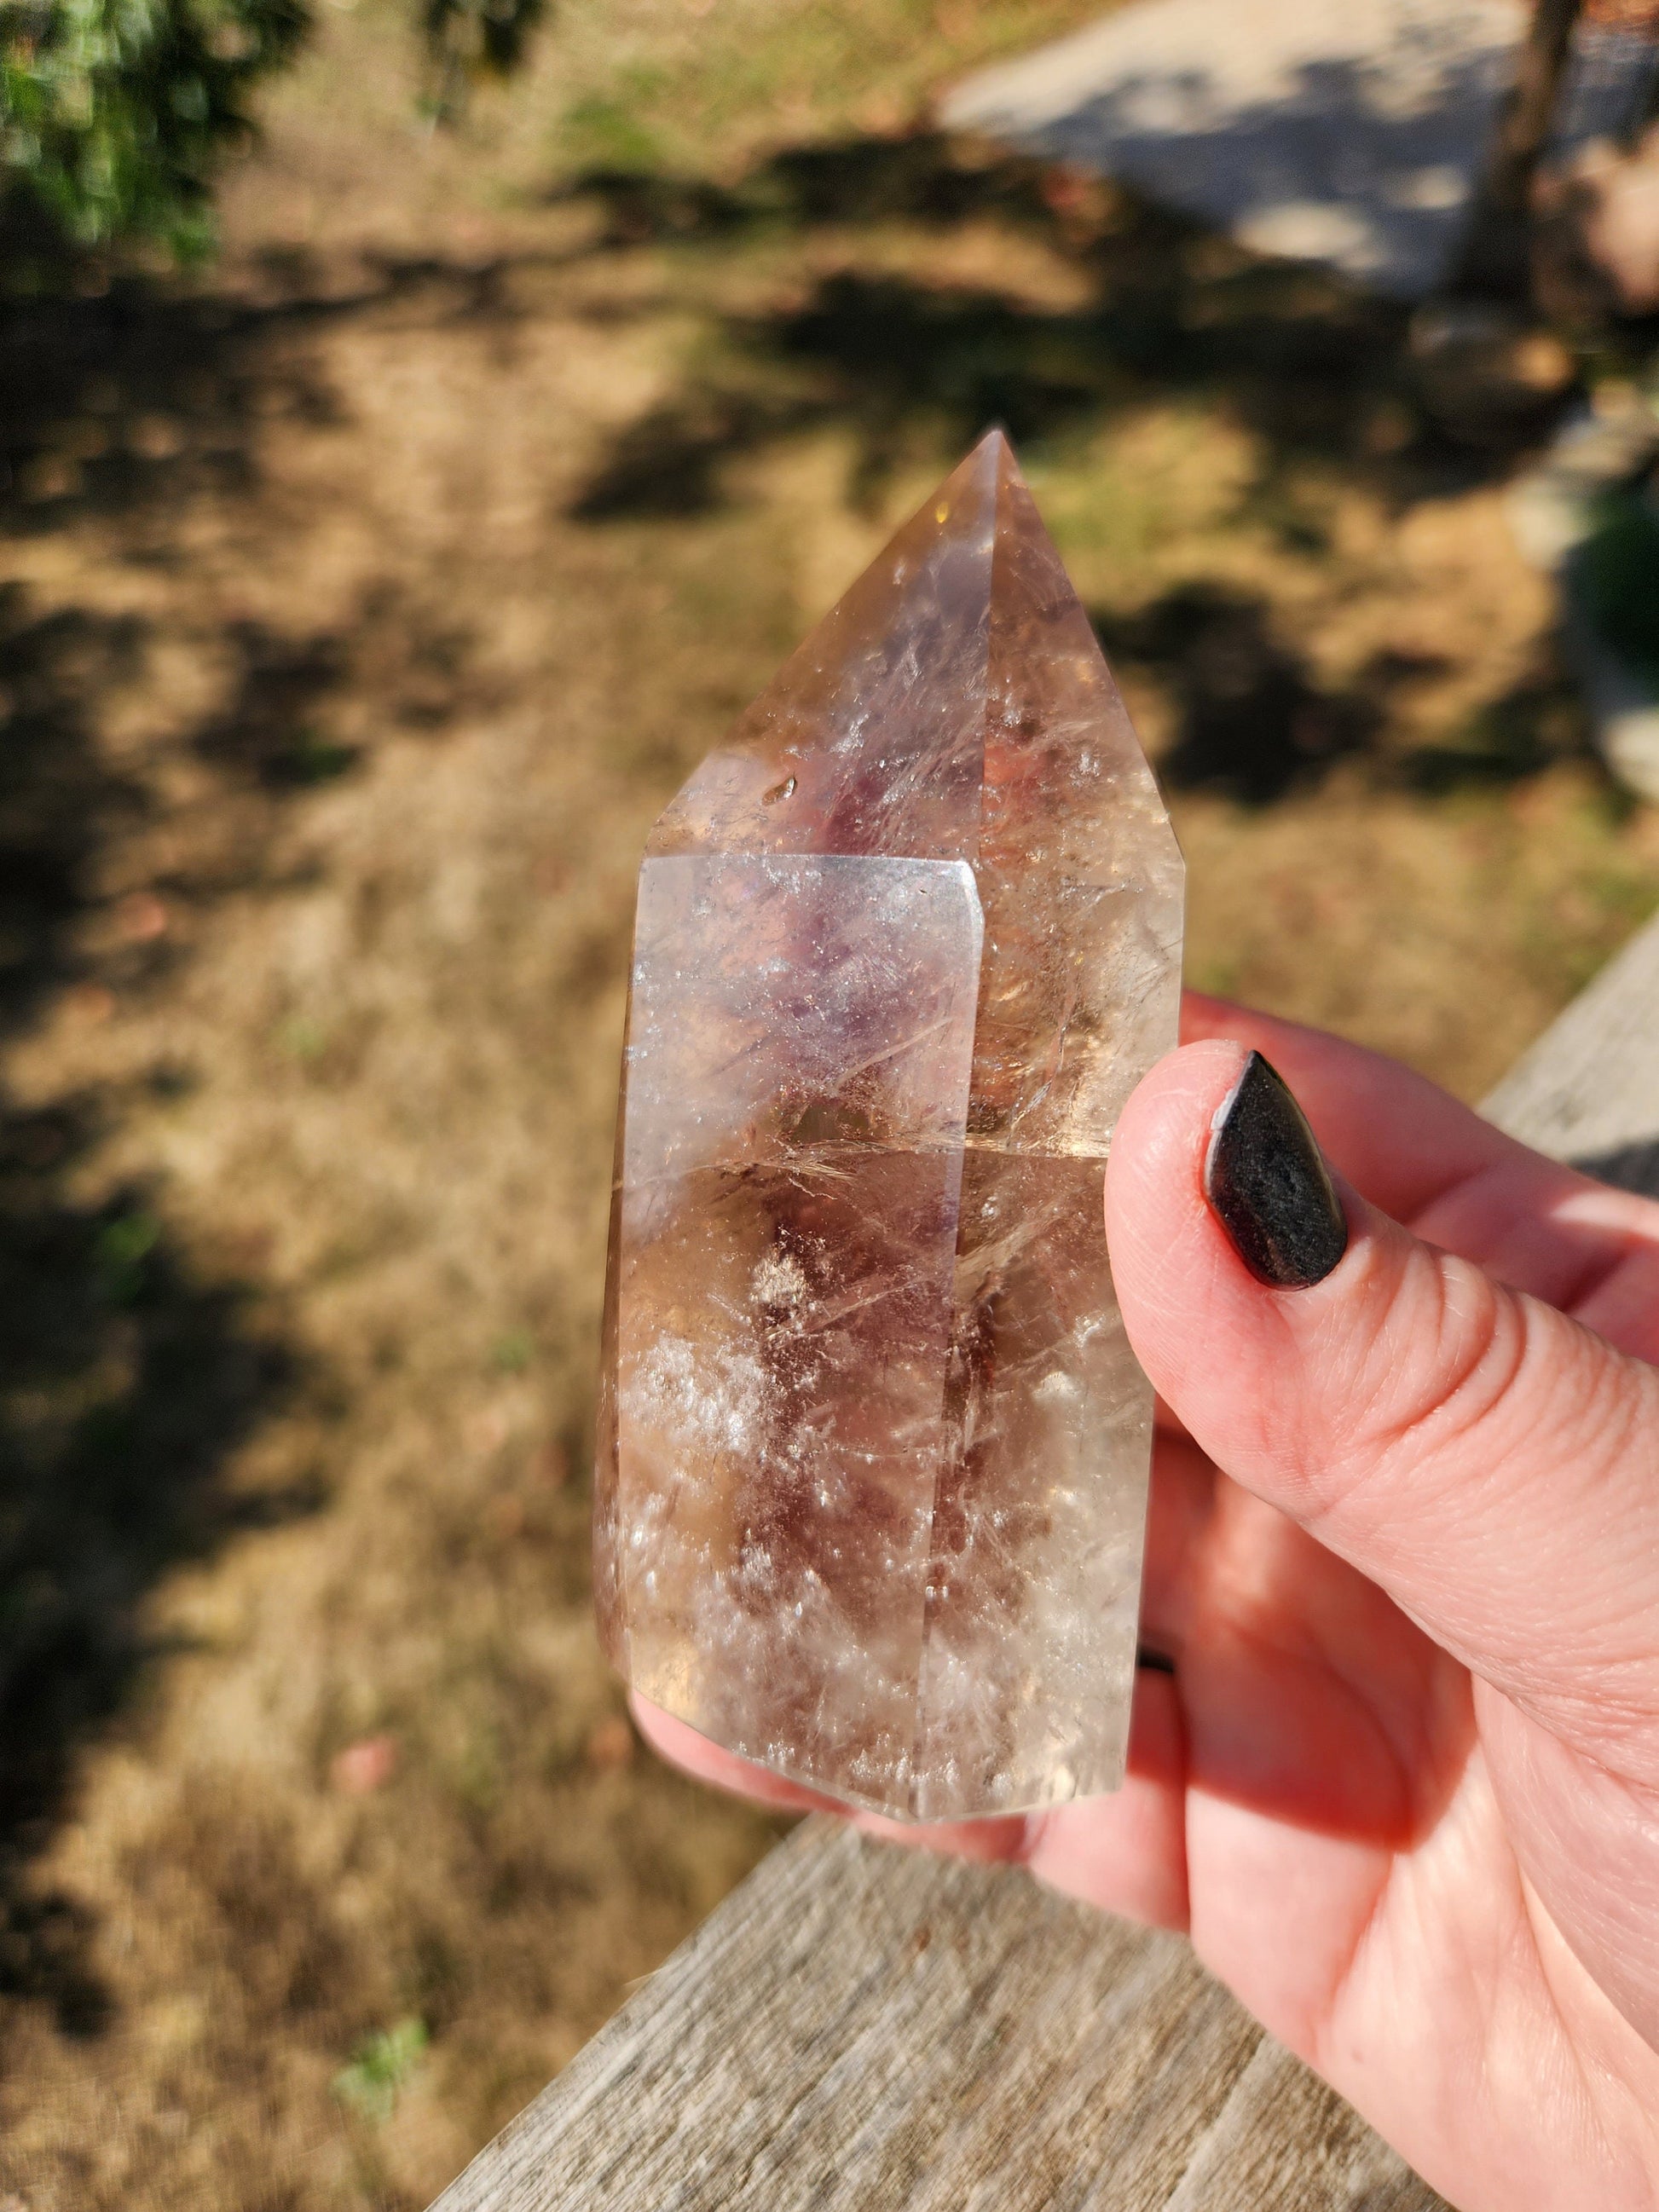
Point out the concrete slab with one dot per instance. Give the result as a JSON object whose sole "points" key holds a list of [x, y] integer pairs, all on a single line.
{"points": [[1349, 135]]}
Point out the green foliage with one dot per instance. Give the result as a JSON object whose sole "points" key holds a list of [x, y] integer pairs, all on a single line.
{"points": [[599, 133], [113, 113], [512, 1354], [123, 1247], [1620, 568], [380, 2070]]}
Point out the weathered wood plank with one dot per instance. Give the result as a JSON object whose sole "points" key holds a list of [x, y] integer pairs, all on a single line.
{"points": [[860, 2026], [1284, 2139], [863, 2026], [1588, 1089]]}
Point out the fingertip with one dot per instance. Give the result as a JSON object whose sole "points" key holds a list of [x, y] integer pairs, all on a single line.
{"points": [[1169, 1111], [1267, 1183], [1204, 1015], [699, 1756], [1202, 1303], [997, 1837], [1158, 1228]]}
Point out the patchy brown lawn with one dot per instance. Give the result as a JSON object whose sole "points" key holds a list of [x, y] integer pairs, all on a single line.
{"points": [[360, 604]]}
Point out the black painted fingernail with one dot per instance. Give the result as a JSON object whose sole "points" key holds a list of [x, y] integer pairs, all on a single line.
{"points": [[1266, 1180]]}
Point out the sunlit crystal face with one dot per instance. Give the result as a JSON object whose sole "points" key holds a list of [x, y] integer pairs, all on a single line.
{"points": [[873, 1449]]}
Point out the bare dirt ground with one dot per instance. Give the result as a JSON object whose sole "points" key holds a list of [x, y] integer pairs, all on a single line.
{"points": [[361, 601]]}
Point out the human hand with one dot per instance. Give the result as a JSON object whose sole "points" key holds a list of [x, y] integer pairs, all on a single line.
{"points": [[1402, 1785]]}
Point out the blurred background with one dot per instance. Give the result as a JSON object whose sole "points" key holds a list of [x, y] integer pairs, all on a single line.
{"points": [[397, 500]]}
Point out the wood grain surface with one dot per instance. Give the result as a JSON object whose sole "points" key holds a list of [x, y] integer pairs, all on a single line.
{"points": [[1588, 1089], [860, 2026]]}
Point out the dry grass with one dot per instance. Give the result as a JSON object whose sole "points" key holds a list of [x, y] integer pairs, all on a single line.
{"points": [[361, 607]]}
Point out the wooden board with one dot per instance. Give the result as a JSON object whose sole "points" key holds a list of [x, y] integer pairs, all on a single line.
{"points": [[1588, 1089], [862, 2027]]}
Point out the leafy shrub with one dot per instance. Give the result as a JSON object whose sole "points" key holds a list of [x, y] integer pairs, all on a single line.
{"points": [[1619, 569], [382, 2068], [113, 113]]}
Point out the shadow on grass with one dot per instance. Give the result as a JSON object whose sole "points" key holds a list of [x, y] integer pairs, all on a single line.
{"points": [[127, 1376], [1298, 352], [1254, 723], [1251, 722], [1318, 370]]}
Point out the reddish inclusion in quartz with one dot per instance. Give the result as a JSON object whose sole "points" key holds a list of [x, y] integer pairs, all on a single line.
{"points": [[873, 1449]]}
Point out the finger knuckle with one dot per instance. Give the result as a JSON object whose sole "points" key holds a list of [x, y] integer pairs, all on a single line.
{"points": [[1438, 1373]]}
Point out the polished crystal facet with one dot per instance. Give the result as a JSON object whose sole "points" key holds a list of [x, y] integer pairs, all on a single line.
{"points": [[873, 1447]]}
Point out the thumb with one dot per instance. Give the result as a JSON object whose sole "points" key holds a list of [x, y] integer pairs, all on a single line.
{"points": [[1492, 1465]]}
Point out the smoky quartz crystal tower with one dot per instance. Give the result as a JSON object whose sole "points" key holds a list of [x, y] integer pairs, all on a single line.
{"points": [[873, 1447]]}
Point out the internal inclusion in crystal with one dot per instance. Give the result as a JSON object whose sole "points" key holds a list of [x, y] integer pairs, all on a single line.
{"points": [[873, 1449]]}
